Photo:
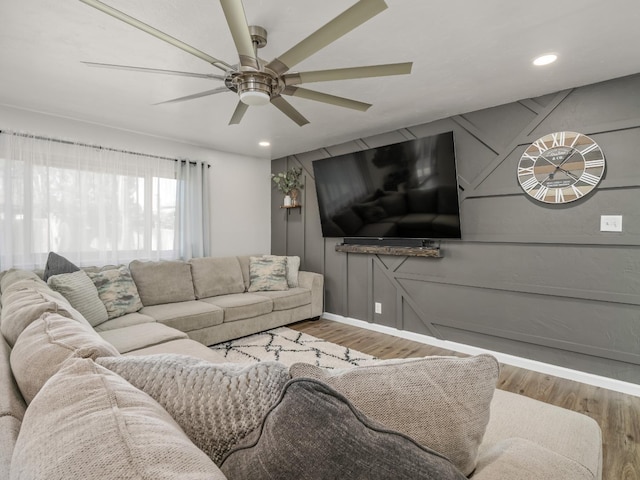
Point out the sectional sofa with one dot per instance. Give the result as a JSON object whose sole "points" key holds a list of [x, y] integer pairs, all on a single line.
{"points": [[136, 397]]}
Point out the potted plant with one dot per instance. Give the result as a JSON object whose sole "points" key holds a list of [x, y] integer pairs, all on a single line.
{"points": [[288, 182]]}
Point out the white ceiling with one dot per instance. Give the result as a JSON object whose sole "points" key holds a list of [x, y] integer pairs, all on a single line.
{"points": [[467, 55]]}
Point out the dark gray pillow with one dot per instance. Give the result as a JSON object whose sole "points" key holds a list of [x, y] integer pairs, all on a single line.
{"points": [[314, 433], [57, 264]]}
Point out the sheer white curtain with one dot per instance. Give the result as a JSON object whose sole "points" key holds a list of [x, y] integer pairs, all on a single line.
{"points": [[93, 205], [192, 233]]}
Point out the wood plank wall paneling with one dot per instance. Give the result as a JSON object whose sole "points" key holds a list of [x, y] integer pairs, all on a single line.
{"points": [[538, 281]]}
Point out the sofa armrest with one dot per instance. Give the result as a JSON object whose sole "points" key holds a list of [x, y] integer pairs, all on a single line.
{"points": [[315, 283]]}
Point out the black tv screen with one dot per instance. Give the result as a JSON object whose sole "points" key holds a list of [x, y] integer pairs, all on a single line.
{"points": [[403, 190]]}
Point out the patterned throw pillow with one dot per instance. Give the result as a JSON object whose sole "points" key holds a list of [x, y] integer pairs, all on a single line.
{"points": [[217, 405], [82, 294], [441, 402], [293, 267], [313, 432], [117, 291], [268, 274]]}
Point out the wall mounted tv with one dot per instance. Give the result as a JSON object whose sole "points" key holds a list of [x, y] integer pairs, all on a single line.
{"points": [[406, 190]]}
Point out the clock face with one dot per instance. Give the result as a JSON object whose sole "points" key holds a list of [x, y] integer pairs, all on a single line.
{"points": [[561, 167]]}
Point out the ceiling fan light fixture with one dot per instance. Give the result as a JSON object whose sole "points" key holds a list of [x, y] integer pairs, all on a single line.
{"points": [[254, 88], [254, 98]]}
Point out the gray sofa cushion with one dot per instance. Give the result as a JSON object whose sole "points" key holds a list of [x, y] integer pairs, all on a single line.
{"points": [[186, 316], [163, 281], [520, 459], [216, 405], [44, 346], [313, 432], [239, 306], [22, 306], [214, 276], [127, 320], [82, 294], [292, 298], [139, 336], [441, 402], [88, 423]]}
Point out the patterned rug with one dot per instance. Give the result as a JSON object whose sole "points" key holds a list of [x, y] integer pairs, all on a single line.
{"points": [[290, 346]]}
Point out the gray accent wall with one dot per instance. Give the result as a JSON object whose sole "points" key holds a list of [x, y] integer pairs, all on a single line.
{"points": [[528, 279]]}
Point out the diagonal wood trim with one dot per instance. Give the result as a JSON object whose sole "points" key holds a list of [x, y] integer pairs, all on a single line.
{"points": [[483, 137], [518, 140], [531, 105], [433, 331]]}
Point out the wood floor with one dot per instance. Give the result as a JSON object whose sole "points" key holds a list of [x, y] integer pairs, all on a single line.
{"points": [[617, 414]]}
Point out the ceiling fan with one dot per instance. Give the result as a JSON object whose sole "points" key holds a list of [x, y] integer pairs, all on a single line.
{"points": [[258, 82]]}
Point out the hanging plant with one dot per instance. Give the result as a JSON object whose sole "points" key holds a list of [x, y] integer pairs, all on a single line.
{"points": [[288, 180]]}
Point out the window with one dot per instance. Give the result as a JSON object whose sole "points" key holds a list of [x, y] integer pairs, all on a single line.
{"points": [[95, 206]]}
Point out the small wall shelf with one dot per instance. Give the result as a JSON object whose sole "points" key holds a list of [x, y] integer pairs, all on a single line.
{"points": [[289, 208], [433, 252]]}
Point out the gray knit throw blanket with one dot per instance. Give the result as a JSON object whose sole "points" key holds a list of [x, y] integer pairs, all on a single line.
{"points": [[216, 405]]}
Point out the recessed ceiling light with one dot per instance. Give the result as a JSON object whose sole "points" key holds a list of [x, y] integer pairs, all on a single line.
{"points": [[545, 59], [264, 143]]}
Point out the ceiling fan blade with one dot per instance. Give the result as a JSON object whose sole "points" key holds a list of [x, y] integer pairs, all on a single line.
{"points": [[348, 73], [155, 70], [326, 98], [286, 108], [196, 95], [157, 33], [238, 113], [330, 32], [237, 21]]}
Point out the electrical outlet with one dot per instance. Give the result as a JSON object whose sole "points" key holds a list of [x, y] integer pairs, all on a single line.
{"points": [[378, 307], [610, 223]]}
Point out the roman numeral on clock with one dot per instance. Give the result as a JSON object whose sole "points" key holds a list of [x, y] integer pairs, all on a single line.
{"points": [[530, 184], [541, 193], [590, 179], [577, 191], [590, 148], [558, 139], [559, 195], [594, 163], [525, 171]]}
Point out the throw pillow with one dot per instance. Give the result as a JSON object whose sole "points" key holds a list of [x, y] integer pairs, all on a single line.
{"points": [[313, 432], [441, 402], [293, 267], [370, 212], [57, 264], [44, 346], [88, 423], [117, 291], [268, 274], [216, 405], [82, 294]]}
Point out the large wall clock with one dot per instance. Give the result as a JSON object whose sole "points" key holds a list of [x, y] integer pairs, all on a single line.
{"points": [[561, 167]]}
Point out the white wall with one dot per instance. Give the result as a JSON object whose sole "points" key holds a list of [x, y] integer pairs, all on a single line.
{"points": [[240, 185]]}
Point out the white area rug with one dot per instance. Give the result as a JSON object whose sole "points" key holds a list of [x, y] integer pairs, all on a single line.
{"points": [[290, 346]]}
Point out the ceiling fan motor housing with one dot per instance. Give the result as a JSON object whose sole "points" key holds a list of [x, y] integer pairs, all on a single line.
{"points": [[254, 88]]}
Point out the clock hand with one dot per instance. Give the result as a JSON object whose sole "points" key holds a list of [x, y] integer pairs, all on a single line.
{"points": [[567, 172], [564, 160]]}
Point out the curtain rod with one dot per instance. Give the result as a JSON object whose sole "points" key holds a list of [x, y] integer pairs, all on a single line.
{"points": [[68, 142]]}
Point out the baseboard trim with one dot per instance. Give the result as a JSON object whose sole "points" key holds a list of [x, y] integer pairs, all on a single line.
{"points": [[536, 366]]}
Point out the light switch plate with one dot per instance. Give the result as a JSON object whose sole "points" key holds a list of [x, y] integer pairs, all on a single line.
{"points": [[611, 223], [377, 307]]}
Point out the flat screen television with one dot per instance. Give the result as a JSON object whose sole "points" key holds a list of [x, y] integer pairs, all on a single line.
{"points": [[406, 190]]}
